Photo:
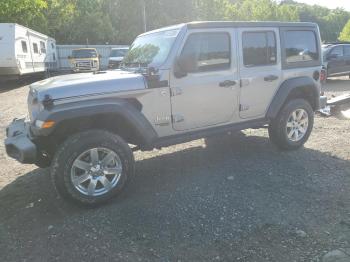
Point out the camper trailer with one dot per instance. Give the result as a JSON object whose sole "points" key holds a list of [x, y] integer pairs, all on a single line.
{"points": [[24, 51]]}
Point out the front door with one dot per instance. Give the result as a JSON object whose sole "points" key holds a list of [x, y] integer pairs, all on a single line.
{"points": [[260, 70], [208, 95], [347, 57], [336, 62]]}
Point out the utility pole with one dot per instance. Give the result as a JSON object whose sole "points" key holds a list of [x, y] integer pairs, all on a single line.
{"points": [[144, 15]]}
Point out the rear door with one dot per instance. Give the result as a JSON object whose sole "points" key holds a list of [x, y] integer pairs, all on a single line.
{"points": [[260, 70]]}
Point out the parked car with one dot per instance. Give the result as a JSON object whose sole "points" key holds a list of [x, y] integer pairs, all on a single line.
{"points": [[85, 60], [336, 59], [24, 51], [116, 57], [177, 84]]}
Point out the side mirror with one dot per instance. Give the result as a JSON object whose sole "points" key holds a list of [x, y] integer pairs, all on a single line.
{"points": [[185, 64]]}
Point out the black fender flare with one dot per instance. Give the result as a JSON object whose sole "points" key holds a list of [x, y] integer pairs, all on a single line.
{"points": [[287, 87], [92, 107]]}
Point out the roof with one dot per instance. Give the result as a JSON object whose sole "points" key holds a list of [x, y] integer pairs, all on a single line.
{"points": [[228, 24], [29, 29], [223, 24], [119, 48]]}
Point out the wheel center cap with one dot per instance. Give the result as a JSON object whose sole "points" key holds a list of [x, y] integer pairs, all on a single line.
{"points": [[96, 168]]}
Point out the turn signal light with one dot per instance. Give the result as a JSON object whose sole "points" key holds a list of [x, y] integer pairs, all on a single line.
{"points": [[46, 124]]}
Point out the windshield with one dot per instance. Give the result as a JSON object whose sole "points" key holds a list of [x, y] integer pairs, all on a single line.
{"points": [[150, 49], [118, 52], [84, 53]]}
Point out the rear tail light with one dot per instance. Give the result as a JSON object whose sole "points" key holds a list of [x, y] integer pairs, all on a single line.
{"points": [[323, 75]]}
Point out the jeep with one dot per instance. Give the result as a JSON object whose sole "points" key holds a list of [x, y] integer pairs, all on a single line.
{"points": [[175, 84]]}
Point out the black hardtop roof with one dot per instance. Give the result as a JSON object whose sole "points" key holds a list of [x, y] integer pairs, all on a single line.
{"points": [[223, 24]]}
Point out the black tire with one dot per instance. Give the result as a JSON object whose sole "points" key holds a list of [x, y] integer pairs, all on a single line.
{"points": [[278, 126], [42, 161], [73, 147]]}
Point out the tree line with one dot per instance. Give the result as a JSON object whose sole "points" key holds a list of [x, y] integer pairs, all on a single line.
{"points": [[119, 21]]}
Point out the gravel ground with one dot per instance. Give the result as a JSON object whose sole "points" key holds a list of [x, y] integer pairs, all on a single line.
{"points": [[235, 198]]}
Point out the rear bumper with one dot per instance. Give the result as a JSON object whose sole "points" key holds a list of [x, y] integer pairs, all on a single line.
{"points": [[18, 143], [323, 102]]}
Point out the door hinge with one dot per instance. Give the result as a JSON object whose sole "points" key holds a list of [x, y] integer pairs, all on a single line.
{"points": [[175, 91], [177, 118], [243, 107]]}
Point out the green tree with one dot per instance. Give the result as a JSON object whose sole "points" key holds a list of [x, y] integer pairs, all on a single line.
{"points": [[26, 12], [345, 33]]}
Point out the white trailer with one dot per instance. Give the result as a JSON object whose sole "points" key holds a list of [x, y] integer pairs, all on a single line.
{"points": [[24, 51]]}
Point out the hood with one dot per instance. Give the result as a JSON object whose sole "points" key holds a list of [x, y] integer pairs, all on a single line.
{"points": [[83, 84]]}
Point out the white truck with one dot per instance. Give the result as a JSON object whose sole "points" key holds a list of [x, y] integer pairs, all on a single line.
{"points": [[24, 51]]}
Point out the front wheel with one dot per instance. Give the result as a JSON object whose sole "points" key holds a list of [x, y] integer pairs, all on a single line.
{"points": [[293, 125], [91, 167]]}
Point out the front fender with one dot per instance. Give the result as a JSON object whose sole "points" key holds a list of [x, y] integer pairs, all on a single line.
{"points": [[90, 108], [305, 85]]}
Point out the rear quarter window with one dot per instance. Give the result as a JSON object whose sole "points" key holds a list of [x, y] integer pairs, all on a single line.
{"points": [[300, 47]]}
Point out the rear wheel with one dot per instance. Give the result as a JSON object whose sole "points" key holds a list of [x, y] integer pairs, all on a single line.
{"points": [[293, 125], [91, 167]]}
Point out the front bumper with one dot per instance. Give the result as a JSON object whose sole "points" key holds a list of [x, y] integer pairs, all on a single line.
{"points": [[18, 143]]}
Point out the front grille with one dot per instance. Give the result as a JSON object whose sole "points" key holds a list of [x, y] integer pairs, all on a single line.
{"points": [[83, 64], [30, 100]]}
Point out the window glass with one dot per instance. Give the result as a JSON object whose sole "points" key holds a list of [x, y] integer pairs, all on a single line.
{"points": [[210, 51], [338, 50], [300, 46], [152, 48], [259, 48], [118, 52], [84, 53], [24, 46], [42, 47], [35, 48], [347, 50]]}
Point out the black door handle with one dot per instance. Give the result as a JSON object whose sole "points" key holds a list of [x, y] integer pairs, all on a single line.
{"points": [[227, 83], [270, 78]]}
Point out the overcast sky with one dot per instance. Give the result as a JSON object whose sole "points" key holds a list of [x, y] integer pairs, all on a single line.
{"points": [[329, 3]]}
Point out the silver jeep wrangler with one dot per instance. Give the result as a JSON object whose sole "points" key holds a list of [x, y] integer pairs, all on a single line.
{"points": [[175, 84]]}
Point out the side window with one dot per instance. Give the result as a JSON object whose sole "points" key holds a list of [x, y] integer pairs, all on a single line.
{"points": [[210, 51], [338, 50], [42, 47], [24, 46], [347, 50], [35, 48], [259, 48], [300, 46]]}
